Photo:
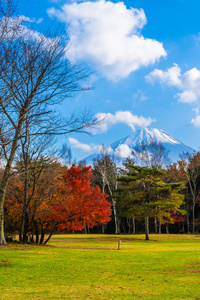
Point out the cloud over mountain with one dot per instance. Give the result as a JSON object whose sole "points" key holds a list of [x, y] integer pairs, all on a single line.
{"points": [[88, 147], [126, 117], [127, 147]]}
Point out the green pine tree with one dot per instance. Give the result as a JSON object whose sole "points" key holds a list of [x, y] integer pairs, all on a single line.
{"points": [[142, 193]]}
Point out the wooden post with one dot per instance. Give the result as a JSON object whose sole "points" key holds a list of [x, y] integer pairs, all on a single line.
{"points": [[119, 245]]}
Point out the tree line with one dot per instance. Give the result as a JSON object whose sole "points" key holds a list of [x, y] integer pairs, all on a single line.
{"points": [[53, 198], [149, 194], [37, 194], [44, 196]]}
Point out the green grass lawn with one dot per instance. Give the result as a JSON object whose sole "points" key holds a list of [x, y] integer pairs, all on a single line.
{"points": [[91, 267]]}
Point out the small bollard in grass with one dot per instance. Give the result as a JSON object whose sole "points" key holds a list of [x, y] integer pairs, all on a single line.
{"points": [[119, 245]]}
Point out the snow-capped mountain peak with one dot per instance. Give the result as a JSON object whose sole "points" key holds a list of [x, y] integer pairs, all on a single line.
{"points": [[149, 134], [125, 147], [146, 136]]}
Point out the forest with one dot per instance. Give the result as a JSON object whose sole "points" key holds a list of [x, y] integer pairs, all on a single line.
{"points": [[45, 196], [41, 192]]}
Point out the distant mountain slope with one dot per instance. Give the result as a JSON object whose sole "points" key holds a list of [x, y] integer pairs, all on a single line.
{"points": [[123, 147]]}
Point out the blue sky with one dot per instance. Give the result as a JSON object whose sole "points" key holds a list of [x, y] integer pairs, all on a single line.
{"points": [[145, 58]]}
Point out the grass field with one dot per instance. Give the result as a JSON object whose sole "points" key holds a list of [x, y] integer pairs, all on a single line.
{"points": [[91, 267]]}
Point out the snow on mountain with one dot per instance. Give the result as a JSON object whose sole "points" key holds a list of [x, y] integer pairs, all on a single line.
{"points": [[125, 147]]}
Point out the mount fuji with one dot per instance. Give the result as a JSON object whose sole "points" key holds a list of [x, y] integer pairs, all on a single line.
{"points": [[125, 147]]}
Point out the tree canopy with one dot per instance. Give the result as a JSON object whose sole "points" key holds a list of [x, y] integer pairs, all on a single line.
{"points": [[142, 193]]}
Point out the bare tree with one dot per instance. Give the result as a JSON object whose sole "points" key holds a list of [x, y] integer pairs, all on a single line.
{"points": [[190, 166], [105, 173], [33, 78], [66, 154], [32, 159], [29, 188], [153, 155], [8, 26]]}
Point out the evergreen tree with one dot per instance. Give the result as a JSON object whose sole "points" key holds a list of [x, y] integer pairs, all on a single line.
{"points": [[143, 194]]}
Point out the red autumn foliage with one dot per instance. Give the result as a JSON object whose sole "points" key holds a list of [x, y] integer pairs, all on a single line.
{"points": [[68, 202], [175, 218], [81, 204]]}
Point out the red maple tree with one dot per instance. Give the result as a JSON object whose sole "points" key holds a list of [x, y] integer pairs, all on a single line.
{"points": [[81, 204], [68, 202]]}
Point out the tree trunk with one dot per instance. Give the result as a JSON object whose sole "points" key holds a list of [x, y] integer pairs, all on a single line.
{"points": [[129, 224], [119, 226], [193, 218], [156, 225], [42, 236], [51, 233], [167, 228], [25, 204], [2, 237], [3, 187], [103, 228], [32, 238], [134, 231], [21, 228], [36, 236], [115, 216], [114, 209], [6, 174], [123, 227], [25, 233], [183, 227], [159, 228], [188, 223], [147, 228]]}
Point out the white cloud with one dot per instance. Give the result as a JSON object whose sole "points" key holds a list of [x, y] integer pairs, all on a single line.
{"points": [[188, 83], [123, 151], [17, 29], [89, 147], [140, 95], [171, 77], [76, 144], [126, 117], [27, 19], [107, 35], [196, 121], [197, 110], [38, 21]]}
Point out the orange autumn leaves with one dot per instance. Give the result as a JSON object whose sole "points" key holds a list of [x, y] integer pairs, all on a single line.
{"points": [[68, 201], [80, 204]]}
